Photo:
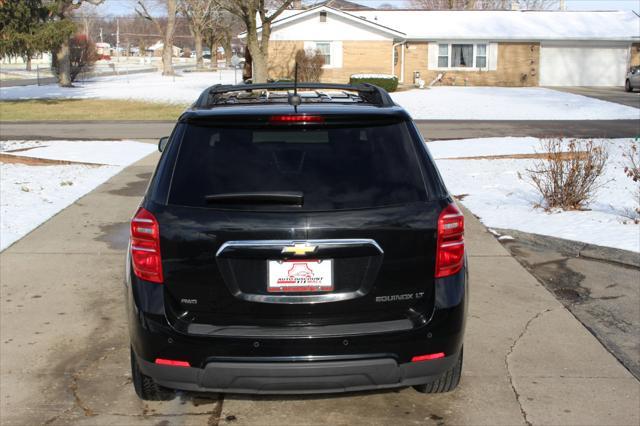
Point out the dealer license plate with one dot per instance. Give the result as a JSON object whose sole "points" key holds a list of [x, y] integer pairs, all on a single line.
{"points": [[309, 275]]}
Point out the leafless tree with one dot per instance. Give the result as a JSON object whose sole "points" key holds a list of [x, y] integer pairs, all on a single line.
{"points": [[222, 27], [168, 31], [87, 14], [445, 4], [538, 4], [63, 9], [200, 14], [485, 4], [248, 11]]}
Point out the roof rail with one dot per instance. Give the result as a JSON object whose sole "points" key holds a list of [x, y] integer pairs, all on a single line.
{"points": [[369, 93]]}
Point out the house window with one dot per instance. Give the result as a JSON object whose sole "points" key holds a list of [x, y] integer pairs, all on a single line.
{"points": [[481, 56], [324, 49], [461, 55], [323, 16], [443, 55]]}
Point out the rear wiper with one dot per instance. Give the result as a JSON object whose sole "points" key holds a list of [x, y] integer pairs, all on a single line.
{"points": [[281, 197]]}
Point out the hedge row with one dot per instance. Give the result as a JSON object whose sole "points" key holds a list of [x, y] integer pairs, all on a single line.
{"points": [[390, 84]]}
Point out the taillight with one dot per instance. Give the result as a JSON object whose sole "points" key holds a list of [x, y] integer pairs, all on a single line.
{"points": [[427, 357], [300, 119], [145, 247], [450, 252], [172, 362]]}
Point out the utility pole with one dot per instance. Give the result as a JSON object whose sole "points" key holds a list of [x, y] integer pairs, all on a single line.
{"points": [[101, 40], [118, 40]]}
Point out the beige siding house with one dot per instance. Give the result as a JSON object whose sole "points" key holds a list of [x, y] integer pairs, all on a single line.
{"points": [[497, 48]]}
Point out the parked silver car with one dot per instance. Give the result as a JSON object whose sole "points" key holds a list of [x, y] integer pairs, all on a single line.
{"points": [[633, 79]]}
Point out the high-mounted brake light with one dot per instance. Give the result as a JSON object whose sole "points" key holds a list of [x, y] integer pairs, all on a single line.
{"points": [[300, 118], [427, 357], [450, 250], [172, 362], [145, 247]]}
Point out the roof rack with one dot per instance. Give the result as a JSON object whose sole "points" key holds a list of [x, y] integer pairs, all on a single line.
{"points": [[220, 95]]}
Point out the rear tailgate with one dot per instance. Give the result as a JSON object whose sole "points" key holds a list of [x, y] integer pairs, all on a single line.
{"points": [[217, 268]]}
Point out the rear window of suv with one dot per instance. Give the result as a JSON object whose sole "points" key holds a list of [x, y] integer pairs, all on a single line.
{"points": [[332, 167]]}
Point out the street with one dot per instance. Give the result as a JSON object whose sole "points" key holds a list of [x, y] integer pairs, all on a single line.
{"points": [[64, 350], [430, 129]]}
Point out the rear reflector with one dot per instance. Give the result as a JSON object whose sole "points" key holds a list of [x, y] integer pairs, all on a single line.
{"points": [[172, 362], [450, 250], [145, 247], [427, 357], [302, 118]]}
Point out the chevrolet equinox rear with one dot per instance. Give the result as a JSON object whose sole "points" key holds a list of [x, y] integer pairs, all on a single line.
{"points": [[295, 239]]}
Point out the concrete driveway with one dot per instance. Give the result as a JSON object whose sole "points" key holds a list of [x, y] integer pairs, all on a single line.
{"points": [[610, 94], [64, 342]]}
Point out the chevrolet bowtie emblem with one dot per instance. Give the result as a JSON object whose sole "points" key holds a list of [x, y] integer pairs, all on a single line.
{"points": [[299, 249]]}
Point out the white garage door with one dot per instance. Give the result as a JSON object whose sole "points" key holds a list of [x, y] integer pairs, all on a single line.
{"points": [[583, 66]]}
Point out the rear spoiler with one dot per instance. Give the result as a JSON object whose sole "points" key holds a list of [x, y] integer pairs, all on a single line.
{"points": [[355, 93]]}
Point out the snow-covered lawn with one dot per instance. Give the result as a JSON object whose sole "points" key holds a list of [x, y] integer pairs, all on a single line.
{"points": [[508, 103], [31, 194], [502, 199], [438, 103], [184, 88]]}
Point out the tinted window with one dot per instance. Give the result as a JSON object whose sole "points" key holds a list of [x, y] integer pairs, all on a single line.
{"points": [[334, 168]]}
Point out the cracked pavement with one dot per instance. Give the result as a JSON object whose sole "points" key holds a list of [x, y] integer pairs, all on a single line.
{"points": [[64, 356], [602, 292]]}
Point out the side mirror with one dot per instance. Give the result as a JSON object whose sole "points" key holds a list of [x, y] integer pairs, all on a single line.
{"points": [[162, 143]]}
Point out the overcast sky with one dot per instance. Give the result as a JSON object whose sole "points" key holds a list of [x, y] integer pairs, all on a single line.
{"points": [[125, 7]]}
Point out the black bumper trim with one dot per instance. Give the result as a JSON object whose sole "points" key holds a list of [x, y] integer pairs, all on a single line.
{"points": [[297, 377], [288, 332]]}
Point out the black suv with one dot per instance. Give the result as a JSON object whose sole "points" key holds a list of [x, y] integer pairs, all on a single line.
{"points": [[295, 239]]}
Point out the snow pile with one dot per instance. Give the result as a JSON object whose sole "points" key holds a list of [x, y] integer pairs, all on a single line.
{"points": [[508, 103], [502, 199], [30, 194]]}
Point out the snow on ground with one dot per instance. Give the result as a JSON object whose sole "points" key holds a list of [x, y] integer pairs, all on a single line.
{"points": [[184, 88], [437, 103], [96, 152], [502, 199], [508, 103], [30, 195]]}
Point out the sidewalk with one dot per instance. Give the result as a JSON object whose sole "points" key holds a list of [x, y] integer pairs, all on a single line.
{"points": [[64, 343]]}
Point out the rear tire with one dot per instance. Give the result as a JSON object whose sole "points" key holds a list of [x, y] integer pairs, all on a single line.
{"points": [[146, 388], [446, 382], [627, 86]]}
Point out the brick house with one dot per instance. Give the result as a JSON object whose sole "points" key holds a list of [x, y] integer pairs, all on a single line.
{"points": [[501, 48]]}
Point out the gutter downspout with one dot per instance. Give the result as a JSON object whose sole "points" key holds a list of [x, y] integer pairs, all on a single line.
{"points": [[393, 65]]}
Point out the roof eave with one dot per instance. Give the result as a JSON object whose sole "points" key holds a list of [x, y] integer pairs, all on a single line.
{"points": [[530, 39], [338, 12]]}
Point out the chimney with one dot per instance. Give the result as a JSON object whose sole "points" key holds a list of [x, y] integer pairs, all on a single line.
{"points": [[296, 4], [515, 5]]}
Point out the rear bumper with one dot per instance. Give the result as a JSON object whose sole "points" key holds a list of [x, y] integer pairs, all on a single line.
{"points": [[266, 362], [297, 377]]}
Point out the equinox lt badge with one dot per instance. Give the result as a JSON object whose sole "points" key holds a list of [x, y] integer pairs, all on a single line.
{"points": [[399, 297]]}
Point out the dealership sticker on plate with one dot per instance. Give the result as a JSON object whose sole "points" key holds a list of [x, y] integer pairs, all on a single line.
{"points": [[308, 275]]}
